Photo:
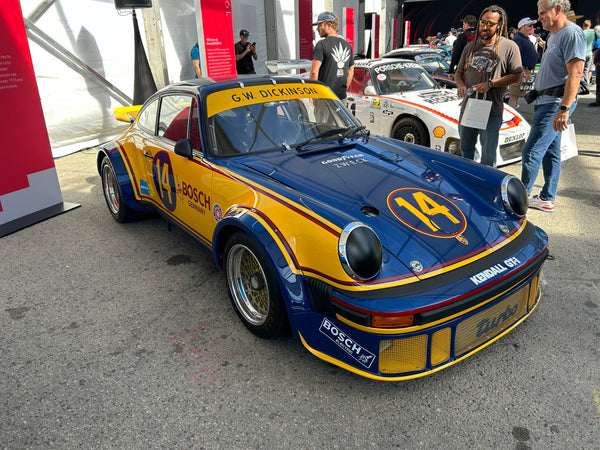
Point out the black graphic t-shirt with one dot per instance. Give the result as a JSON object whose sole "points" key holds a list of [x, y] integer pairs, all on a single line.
{"points": [[335, 55], [244, 65]]}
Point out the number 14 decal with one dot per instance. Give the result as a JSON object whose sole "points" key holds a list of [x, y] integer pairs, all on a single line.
{"points": [[427, 212], [164, 180]]}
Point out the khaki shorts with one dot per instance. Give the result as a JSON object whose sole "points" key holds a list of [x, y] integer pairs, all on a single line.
{"points": [[515, 89]]}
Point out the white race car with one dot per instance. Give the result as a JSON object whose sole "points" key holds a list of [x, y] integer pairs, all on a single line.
{"points": [[399, 99]]}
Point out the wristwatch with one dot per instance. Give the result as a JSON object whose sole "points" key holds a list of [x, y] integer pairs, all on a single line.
{"points": [[563, 108], [491, 84]]}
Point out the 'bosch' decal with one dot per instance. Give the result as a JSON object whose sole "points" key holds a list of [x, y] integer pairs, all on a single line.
{"points": [[346, 343], [427, 212], [164, 180]]}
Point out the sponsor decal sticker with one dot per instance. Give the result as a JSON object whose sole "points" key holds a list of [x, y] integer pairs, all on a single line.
{"points": [[495, 270], [439, 132], [375, 103], [144, 187], [514, 138], [217, 212], [427, 212], [381, 76], [346, 343]]}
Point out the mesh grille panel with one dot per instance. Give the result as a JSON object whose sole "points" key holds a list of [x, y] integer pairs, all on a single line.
{"points": [[403, 355], [485, 325], [440, 346]]}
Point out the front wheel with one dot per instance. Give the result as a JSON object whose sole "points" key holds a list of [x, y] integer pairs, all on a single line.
{"points": [[410, 130], [253, 286]]}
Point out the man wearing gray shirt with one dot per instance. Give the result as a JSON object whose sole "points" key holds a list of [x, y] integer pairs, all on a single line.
{"points": [[556, 84]]}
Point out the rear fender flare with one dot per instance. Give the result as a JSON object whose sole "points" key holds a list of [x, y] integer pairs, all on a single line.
{"points": [[123, 177]]}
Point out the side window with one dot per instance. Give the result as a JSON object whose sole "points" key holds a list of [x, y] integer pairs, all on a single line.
{"points": [[147, 117], [174, 117], [357, 81]]}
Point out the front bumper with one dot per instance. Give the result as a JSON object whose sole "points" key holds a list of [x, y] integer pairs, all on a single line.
{"points": [[411, 352]]}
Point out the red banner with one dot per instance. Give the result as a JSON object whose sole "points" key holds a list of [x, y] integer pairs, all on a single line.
{"points": [[305, 29], [349, 31], [376, 36], [216, 32], [25, 144]]}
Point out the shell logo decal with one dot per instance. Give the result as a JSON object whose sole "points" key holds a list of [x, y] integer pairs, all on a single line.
{"points": [[427, 212], [439, 132], [376, 102]]}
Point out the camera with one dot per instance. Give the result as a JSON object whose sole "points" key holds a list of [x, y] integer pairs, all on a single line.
{"points": [[254, 44]]}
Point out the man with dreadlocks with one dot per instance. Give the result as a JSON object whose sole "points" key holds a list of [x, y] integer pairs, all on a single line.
{"points": [[486, 67], [556, 86]]}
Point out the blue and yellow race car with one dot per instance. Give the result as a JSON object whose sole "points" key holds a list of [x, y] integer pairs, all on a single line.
{"points": [[388, 259]]}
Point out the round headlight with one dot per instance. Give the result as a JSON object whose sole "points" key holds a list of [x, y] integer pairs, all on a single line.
{"points": [[514, 196], [360, 251]]}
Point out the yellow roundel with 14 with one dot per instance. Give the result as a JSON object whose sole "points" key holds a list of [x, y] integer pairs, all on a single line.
{"points": [[427, 212]]}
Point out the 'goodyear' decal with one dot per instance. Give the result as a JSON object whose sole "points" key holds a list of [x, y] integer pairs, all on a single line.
{"points": [[427, 212], [232, 98]]}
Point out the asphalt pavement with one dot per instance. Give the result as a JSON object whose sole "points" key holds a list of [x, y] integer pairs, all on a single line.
{"points": [[123, 336]]}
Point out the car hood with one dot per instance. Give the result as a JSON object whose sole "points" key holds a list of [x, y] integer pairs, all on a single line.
{"points": [[422, 208], [444, 102]]}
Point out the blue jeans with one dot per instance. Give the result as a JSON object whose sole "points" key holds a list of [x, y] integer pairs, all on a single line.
{"points": [[543, 149], [489, 140]]}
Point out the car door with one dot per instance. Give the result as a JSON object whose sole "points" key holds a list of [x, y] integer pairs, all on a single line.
{"points": [[179, 185]]}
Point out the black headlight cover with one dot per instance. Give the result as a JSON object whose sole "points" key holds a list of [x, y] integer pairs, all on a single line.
{"points": [[514, 196], [360, 251]]}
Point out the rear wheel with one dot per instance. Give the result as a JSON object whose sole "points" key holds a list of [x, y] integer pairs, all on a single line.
{"points": [[253, 286], [112, 194], [410, 130]]}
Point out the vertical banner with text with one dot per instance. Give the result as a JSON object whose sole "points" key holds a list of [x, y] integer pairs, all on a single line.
{"points": [[216, 38], [305, 29], [29, 189], [376, 25], [349, 25]]}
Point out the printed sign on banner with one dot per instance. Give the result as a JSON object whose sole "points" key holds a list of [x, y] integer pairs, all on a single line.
{"points": [[215, 31], [29, 190]]}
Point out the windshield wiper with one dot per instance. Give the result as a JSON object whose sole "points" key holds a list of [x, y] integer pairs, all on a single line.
{"points": [[323, 135], [355, 131]]}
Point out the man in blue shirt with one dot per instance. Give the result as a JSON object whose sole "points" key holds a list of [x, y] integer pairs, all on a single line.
{"points": [[556, 85], [529, 57]]}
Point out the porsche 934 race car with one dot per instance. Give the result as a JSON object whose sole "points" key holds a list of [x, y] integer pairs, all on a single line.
{"points": [[388, 259], [398, 98]]}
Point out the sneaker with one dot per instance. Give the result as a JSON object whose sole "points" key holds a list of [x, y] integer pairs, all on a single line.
{"points": [[542, 204], [594, 104]]}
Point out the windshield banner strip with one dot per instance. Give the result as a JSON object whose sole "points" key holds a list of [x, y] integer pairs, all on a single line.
{"points": [[232, 98]]}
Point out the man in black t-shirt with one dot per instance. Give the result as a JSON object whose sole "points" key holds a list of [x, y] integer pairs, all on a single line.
{"points": [[332, 63], [244, 52], [468, 35]]}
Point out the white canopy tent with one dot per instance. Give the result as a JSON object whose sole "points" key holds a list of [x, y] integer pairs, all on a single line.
{"points": [[83, 53]]}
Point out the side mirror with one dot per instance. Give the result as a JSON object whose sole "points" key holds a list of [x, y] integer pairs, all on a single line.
{"points": [[370, 90], [183, 147]]}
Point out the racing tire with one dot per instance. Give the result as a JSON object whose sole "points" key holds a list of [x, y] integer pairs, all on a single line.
{"points": [[410, 130], [253, 288], [112, 194]]}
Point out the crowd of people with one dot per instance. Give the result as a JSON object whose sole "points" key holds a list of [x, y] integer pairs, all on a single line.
{"points": [[488, 57]]}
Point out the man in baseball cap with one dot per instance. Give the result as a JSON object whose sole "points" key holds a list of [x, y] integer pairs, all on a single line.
{"points": [[529, 56], [325, 17]]}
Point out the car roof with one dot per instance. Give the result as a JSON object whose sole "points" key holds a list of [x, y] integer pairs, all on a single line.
{"points": [[195, 86]]}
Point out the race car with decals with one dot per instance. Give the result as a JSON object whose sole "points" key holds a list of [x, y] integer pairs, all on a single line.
{"points": [[399, 99], [388, 259]]}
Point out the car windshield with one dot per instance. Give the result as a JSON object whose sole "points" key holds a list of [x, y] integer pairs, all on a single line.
{"points": [[293, 122], [402, 77]]}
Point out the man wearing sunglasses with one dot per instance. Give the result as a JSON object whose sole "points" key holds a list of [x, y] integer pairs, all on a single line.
{"points": [[486, 67], [556, 86]]}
